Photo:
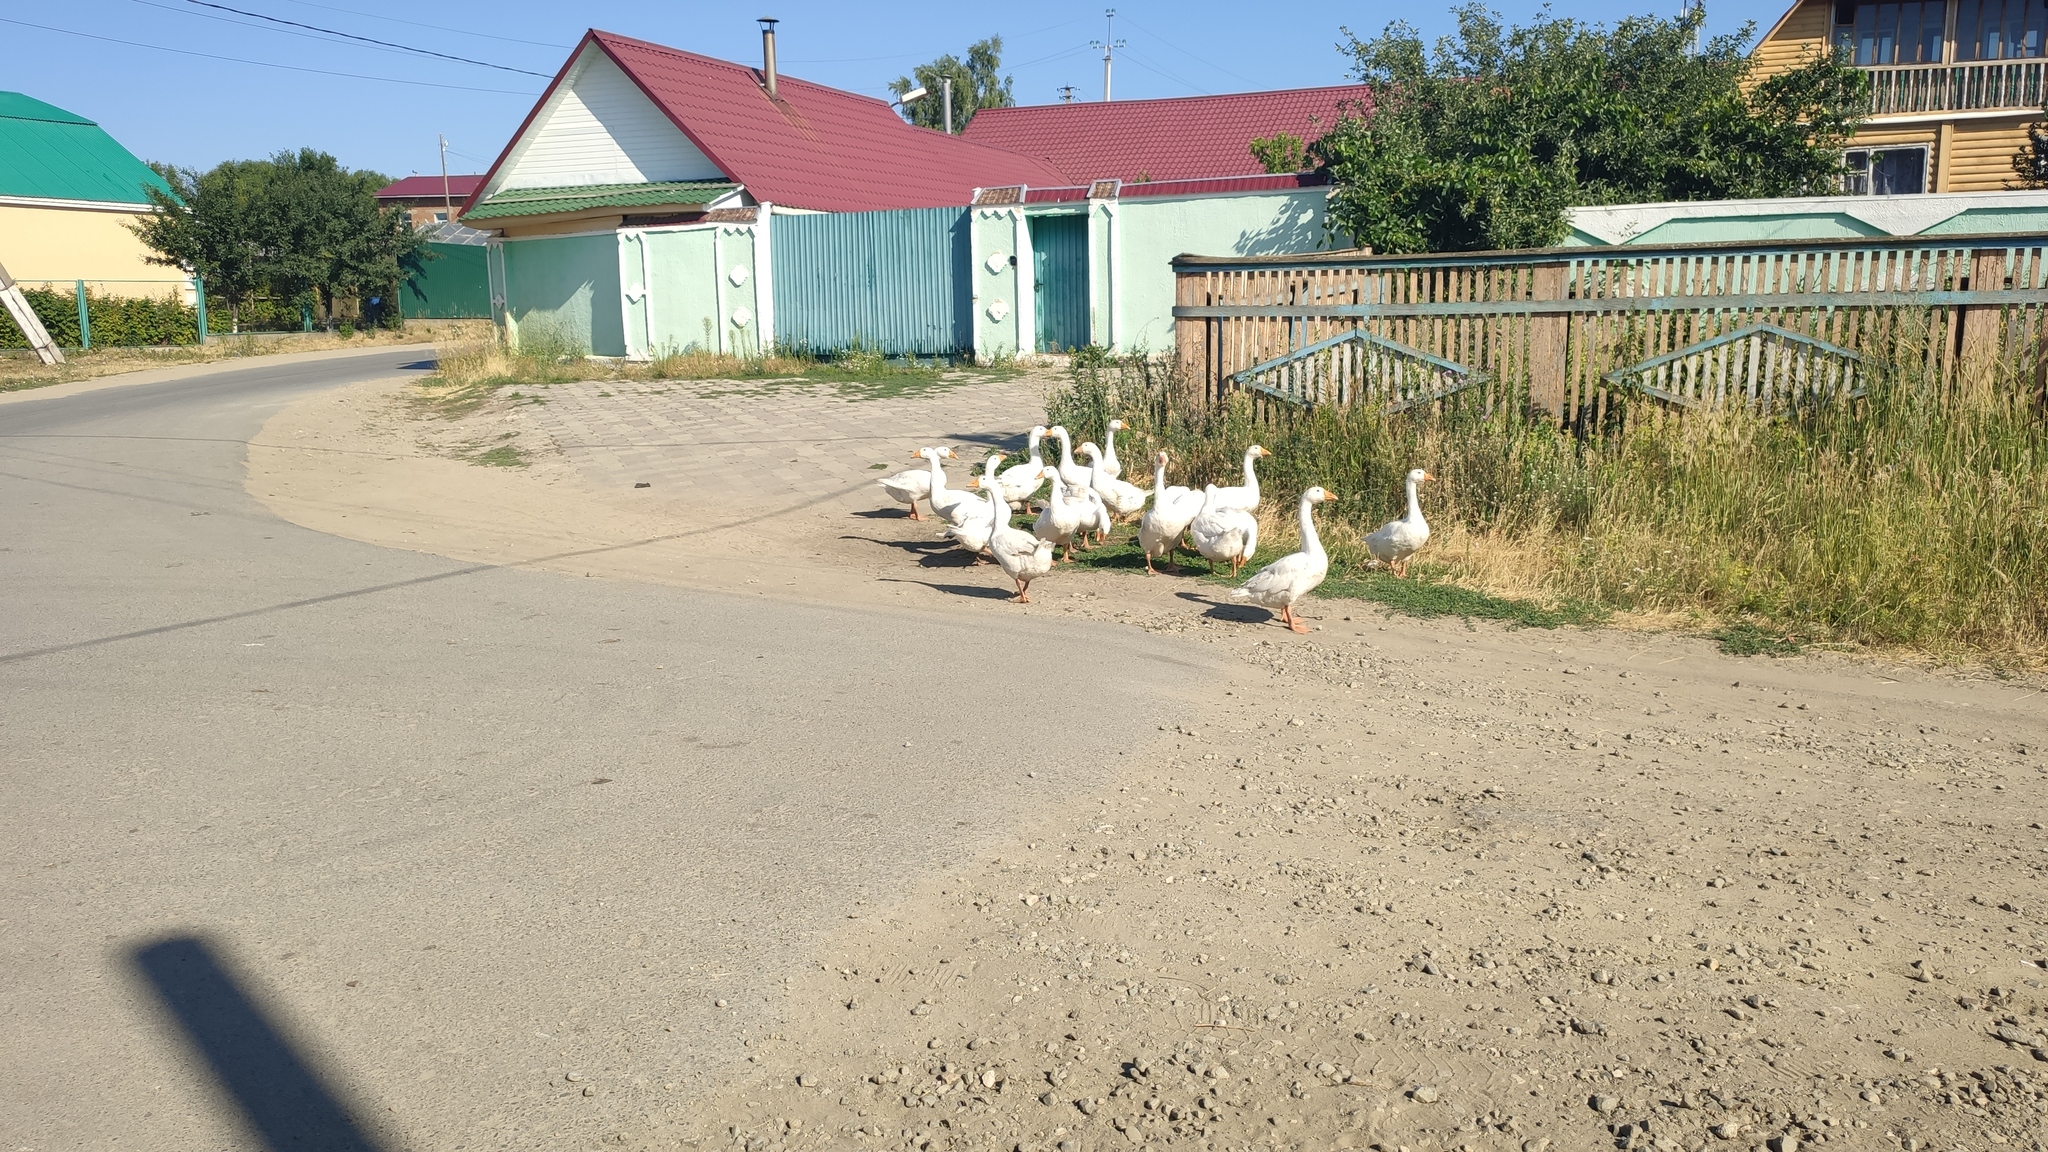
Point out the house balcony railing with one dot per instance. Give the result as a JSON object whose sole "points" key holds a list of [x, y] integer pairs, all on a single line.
{"points": [[1902, 89]]}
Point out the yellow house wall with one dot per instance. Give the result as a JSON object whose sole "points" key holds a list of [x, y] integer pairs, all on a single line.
{"points": [[1802, 34], [61, 245], [1966, 155], [1981, 153]]}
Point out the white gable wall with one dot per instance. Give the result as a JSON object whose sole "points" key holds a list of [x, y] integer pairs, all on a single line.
{"points": [[599, 128]]}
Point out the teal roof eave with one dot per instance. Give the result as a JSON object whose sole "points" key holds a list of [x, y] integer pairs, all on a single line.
{"points": [[509, 203], [47, 153]]}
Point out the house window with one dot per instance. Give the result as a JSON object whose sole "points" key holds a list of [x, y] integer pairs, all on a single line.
{"points": [[1894, 33], [440, 217], [1894, 171], [2000, 29]]}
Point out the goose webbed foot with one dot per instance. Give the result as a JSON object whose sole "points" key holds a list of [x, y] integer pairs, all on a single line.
{"points": [[1293, 622]]}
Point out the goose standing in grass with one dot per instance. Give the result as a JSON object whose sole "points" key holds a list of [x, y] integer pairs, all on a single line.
{"points": [[1244, 497], [1111, 467], [1224, 533], [953, 505], [1074, 474], [1097, 519], [1396, 540], [1022, 556], [1173, 509], [1286, 580], [979, 527], [1022, 481], [910, 485], [1061, 517], [1123, 497]]}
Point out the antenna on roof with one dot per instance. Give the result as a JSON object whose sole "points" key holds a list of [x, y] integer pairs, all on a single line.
{"points": [[768, 24], [1109, 44]]}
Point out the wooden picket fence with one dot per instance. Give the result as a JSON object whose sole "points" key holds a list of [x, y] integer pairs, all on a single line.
{"points": [[1574, 332]]}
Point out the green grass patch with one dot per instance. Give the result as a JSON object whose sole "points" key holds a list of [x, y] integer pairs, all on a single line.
{"points": [[1425, 593], [502, 456], [1746, 639]]}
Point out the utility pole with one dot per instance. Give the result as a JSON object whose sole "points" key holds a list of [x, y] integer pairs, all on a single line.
{"points": [[447, 198], [1066, 93], [1109, 44], [946, 87]]}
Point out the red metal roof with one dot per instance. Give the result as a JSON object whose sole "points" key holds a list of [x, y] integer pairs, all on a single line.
{"points": [[428, 188], [1213, 186], [1185, 138], [809, 147]]}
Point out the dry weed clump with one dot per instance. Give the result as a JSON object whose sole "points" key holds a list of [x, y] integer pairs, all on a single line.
{"points": [[1911, 518]]}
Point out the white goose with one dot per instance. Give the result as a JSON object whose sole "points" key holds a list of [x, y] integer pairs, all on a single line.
{"points": [[1061, 517], [952, 505], [1288, 579], [1022, 556], [1111, 467], [1396, 540], [1022, 481], [975, 532], [1122, 496], [910, 485], [1246, 496], [1074, 474], [1173, 509], [1097, 519], [1224, 533]]}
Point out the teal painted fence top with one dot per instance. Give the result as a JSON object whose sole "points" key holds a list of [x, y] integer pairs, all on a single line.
{"points": [[1810, 218]]}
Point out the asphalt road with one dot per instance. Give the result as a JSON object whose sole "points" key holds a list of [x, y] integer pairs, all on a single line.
{"points": [[308, 843]]}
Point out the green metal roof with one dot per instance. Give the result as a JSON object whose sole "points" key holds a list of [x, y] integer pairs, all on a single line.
{"points": [[50, 154], [543, 201]]}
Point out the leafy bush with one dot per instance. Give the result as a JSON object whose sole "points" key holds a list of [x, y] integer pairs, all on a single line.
{"points": [[1913, 517], [116, 320]]}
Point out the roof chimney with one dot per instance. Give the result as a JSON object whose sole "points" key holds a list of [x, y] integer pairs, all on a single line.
{"points": [[768, 53]]}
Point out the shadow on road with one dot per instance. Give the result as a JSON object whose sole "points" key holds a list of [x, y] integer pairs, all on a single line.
{"points": [[281, 1096], [1235, 613], [972, 591]]}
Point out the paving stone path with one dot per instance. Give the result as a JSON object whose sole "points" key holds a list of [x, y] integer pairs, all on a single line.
{"points": [[750, 445]]}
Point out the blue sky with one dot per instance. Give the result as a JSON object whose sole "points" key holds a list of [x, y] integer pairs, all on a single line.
{"points": [[191, 108]]}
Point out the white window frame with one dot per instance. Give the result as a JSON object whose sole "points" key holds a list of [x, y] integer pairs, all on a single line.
{"points": [[1850, 177]]}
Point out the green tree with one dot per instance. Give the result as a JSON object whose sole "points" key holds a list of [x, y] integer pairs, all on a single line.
{"points": [[1487, 139], [1280, 153], [297, 226], [977, 84], [206, 225], [2030, 163]]}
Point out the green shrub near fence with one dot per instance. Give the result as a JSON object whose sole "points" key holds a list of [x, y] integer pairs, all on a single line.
{"points": [[116, 320]]}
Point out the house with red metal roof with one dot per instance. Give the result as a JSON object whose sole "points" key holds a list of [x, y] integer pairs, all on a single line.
{"points": [[659, 199], [428, 199], [630, 132], [1183, 138]]}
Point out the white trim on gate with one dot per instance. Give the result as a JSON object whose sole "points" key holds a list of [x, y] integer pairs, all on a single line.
{"points": [[1026, 311], [764, 278], [718, 286]]}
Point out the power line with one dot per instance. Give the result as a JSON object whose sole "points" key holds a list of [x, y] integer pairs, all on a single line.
{"points": [[264, 63], [434, 27], [1186, 53], [368, 40], [1140, 60], [231, 22]]}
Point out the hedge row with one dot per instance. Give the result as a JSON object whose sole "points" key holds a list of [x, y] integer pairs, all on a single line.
{"points": [[116, 320]]}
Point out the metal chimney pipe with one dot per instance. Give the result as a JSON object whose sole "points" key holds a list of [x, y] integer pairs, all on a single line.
{"points": [[768, 24]]}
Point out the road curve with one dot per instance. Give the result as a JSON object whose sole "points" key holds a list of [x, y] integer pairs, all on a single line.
{"points": [[314, 843]]}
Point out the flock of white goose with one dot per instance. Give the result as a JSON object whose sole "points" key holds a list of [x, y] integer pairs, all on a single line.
{"points": [[1090, 499]]}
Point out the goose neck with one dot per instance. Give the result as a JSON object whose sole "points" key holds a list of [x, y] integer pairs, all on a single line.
{"points": [[1310, 542], [1414, 505]]}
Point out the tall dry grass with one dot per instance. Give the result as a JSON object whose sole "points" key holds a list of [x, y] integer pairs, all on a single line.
{"points": [[1911, 518]]}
